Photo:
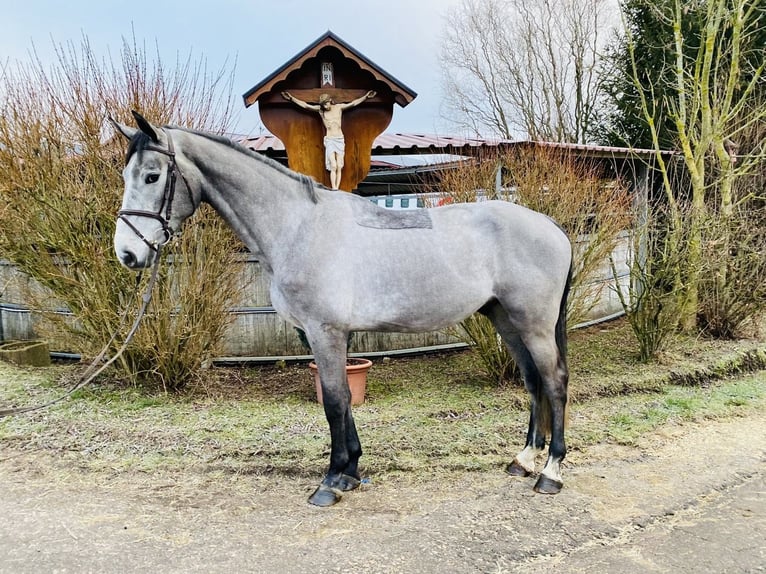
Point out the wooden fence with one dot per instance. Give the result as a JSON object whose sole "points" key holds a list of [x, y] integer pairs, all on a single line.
{"points": [[257, 332]]}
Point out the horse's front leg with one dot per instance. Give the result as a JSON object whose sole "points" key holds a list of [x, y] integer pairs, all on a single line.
{"points": [[329, 348]]}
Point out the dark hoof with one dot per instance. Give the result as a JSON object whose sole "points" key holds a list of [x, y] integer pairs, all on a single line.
{"points": [[325, 496], [547, 485], [515, 469], [348, 482]]}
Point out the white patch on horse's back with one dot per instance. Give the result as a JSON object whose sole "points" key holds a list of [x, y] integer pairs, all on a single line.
{"points": [[380, 218]]}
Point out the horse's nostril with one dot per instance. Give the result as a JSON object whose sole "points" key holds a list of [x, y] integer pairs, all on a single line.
{"points": [[128, 258]]}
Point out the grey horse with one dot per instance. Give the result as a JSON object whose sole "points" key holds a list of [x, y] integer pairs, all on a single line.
{"points": [[512, 264]]}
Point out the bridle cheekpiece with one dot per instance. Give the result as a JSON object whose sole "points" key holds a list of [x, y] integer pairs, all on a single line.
{"points": [[167, 199]]}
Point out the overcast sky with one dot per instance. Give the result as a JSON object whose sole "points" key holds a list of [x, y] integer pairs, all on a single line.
{"points": [[400, 36]]}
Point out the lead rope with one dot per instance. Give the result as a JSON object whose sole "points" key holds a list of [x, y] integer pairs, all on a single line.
{"points": [[89, 374]]}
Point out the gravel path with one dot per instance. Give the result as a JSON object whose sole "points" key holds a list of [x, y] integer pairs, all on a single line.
{"points": [[691, 498]]}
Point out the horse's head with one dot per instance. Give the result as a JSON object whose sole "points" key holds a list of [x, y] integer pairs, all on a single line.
{"points": [[152, 208]]}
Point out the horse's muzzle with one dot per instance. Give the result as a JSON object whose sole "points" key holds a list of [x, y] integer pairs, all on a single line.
{"points": [[130, 260]]}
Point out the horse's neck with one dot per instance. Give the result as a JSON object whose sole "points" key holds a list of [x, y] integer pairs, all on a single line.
{"points": [[262, 204]]}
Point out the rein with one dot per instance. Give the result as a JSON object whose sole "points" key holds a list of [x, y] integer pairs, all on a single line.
{"points": [[89, 375], [91, 372]]}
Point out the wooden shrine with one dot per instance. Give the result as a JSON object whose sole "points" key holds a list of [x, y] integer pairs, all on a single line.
{"points": [[303, 101]]}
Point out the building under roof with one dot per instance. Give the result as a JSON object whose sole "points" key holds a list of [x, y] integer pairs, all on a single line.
{"points": [[413, 163]]}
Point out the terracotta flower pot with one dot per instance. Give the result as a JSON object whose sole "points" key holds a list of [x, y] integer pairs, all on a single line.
{"points": [[356, 371]]}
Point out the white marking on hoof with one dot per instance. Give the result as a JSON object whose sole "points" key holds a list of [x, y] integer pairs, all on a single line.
{"points": [[552, 470], [526, 458]]}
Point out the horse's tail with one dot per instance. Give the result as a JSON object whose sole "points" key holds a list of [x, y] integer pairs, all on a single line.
{"points": [[561, 323], [544, 411]]}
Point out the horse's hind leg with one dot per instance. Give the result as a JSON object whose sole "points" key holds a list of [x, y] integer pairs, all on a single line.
{"points": [[554, 377], [545, 377], [524, 462]]}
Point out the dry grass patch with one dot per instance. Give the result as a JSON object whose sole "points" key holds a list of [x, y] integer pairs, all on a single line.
{"points": [[437, 413]]}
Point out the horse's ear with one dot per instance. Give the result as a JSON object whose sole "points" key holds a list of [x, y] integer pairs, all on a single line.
{"points": [[127, 131], [146, 127]]}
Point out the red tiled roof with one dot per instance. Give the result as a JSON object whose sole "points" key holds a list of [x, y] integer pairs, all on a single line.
{"points": [[404, 144], [262, 144], [387, 143]]}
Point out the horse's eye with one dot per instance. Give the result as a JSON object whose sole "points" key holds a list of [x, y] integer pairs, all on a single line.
{"points": [[152, 178]]}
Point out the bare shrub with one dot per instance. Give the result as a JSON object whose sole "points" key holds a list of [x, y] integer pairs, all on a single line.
{"points": [[732, 289], [189, 318], [653, 300], [470, 180], [479, 332], [60, 188]]}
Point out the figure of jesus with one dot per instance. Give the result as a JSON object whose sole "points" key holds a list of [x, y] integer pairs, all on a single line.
{"points": [[334, 143]]}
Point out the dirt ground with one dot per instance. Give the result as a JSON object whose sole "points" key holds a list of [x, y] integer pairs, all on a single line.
{"points": [[690, 498]]}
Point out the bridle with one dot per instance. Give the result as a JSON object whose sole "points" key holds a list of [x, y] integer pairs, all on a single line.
{"points": [[167, 199]]}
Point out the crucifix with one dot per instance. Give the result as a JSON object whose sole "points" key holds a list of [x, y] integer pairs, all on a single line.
{"points": [[334, 141]]}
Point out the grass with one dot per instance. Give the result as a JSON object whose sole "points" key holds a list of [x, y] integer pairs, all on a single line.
{"points": [[635, 416], [426, 414]]}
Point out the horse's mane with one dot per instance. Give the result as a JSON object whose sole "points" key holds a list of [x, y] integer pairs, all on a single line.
{"points": [[140, 141], [304, 179]]}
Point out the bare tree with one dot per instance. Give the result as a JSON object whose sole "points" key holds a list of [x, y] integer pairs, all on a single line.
{"points": [[713, 96], [514, 68]]}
